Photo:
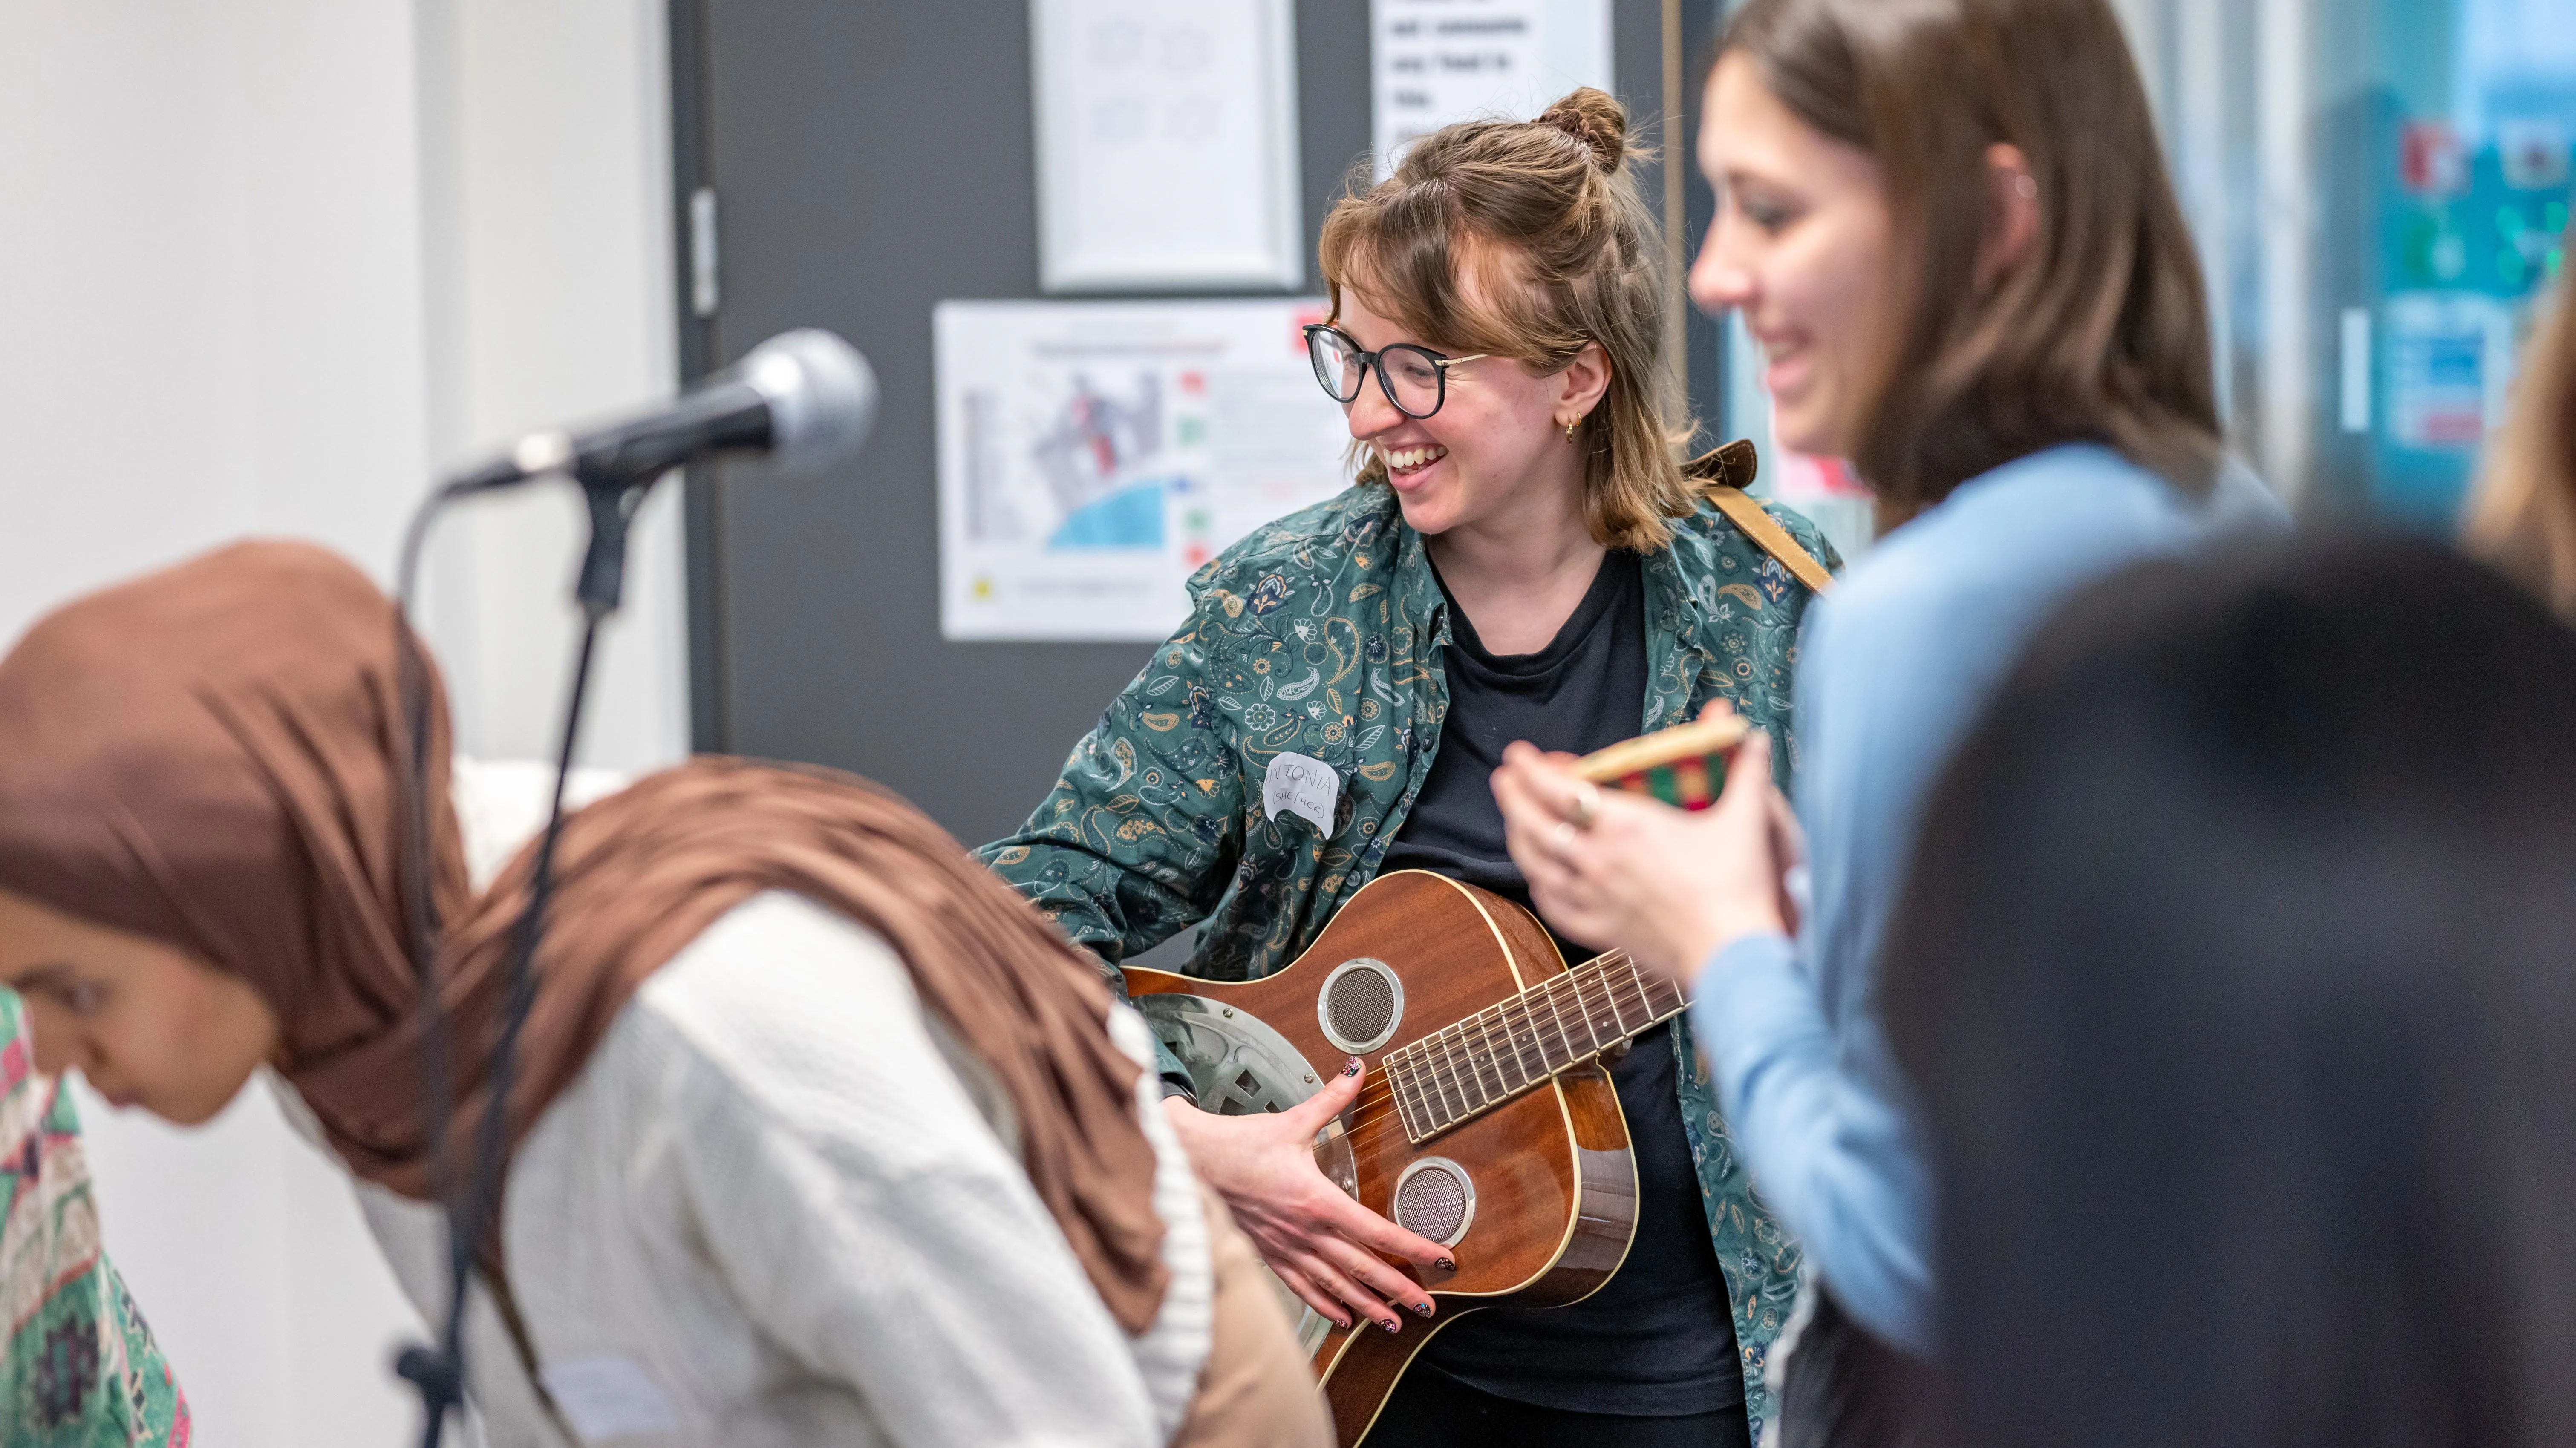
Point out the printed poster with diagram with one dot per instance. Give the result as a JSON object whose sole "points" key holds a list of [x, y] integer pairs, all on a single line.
{"points": [[1092, 455]]}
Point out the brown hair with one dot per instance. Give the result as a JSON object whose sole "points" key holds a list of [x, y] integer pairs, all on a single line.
{"points": [[1563, 252], [2523, 516], [2099, 331]]}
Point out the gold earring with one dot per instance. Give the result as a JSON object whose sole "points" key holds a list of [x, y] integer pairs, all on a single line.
{"points": [[1569, 429]]}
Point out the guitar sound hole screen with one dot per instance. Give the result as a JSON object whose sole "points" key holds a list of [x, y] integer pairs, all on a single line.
{"points": [[1363, 1005]]}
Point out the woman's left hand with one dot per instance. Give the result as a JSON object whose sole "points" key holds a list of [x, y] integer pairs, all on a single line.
{"points": [[1668, 886]]}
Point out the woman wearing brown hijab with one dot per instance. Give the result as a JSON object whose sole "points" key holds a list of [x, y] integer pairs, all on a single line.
{"points": [[819, 1135]]}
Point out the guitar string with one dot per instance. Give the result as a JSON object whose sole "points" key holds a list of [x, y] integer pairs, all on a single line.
{"points": [[1375, 1111], [1368, 1127], [1636, 995], [1373, 1107], [1372, 1111]]}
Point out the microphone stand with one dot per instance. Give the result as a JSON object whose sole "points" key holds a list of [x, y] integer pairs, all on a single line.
{"points": [[473, 1214]]}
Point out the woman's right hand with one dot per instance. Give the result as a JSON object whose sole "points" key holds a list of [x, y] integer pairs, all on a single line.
{"points": [[1319, 1241]]}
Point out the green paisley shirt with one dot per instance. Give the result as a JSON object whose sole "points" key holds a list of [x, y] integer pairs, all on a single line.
{"points": [[80, 1369], [1322, 634]]}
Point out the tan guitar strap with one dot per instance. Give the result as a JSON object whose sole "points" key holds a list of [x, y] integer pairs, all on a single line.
{"points": [[1723, 473]]}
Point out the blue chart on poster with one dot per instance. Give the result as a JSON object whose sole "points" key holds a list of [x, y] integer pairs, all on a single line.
{"points": [[1131, 517]]}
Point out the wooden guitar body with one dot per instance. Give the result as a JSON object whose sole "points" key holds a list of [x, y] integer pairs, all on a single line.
{"points": [[1549, 1188]]}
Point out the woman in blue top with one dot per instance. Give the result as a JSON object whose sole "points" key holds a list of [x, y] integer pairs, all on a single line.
{"points": [[1949, 228]]}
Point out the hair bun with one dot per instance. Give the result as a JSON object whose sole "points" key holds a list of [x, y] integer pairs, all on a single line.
{"points": [[1595, 119]]}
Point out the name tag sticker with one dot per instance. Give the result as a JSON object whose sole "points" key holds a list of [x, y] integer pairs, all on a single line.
{"points": [[605, 1398], [1299, 785]]}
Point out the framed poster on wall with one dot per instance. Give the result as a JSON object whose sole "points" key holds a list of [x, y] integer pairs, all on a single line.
{"points": [[1166, 145], [1093, 455]]}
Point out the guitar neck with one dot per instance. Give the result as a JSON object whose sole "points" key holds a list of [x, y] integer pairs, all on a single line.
{"points": [[1466, 1069]]}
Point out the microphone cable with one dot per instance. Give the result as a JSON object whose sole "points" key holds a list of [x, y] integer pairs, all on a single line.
{"points": [[437, 1370], [805, 397]]}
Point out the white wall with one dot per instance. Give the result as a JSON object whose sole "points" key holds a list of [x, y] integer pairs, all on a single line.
{"points": [[272, 263], [546, 153]]}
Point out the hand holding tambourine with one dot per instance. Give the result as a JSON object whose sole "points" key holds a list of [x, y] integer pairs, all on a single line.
{"points": [[1670, 845]]}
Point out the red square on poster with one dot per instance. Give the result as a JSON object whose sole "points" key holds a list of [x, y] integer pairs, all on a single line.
{"points": [[1306, 317], [2430, 160]]}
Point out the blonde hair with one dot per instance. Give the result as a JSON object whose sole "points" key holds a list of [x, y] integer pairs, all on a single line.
{"points": [[1544, 218], [2522, 518]]}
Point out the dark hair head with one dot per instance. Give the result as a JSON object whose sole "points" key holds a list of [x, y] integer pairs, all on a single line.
{"points": [[1530, 240], [2238, 977], [2100, 331]]}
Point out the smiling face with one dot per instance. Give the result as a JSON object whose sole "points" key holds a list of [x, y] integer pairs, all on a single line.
{"points": [[1495, 453], [147, 1024], [1802, 248]]}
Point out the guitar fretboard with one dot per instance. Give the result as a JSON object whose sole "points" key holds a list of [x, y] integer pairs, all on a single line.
{"points": [[1463, 1070]]}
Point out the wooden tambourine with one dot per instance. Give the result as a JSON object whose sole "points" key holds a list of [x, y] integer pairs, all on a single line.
{"points": [[1684, 766]]}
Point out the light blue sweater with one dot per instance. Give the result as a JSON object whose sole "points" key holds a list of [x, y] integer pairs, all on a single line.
{"points": [[1898, 660]]}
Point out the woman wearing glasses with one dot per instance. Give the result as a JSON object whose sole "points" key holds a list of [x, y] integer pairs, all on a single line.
{"points": [[1521, 558]]}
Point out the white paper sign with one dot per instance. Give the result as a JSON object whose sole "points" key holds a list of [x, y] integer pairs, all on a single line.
{"points": [[605, 1398], [1296, 784], [1166, 144], [1092, 455], [1437, 61]]}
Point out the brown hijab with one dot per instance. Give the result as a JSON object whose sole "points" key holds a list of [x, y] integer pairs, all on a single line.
{"points": [[209, 756]]}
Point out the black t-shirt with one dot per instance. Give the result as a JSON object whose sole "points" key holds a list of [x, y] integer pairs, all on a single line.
{"points": [[1658, 1339]]}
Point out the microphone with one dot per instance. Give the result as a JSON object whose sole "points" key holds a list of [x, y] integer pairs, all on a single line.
{"points": [[805, 398]]}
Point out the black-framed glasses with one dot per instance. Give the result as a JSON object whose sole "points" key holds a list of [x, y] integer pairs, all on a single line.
{"points": [[1415, 379]]}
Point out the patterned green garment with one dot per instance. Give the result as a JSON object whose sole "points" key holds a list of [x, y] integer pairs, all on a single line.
{"points": [[1322, 634], [82, 1370]]}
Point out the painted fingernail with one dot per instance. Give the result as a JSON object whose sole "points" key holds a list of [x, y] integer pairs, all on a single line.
{"points": [[1445, 1265], [1351, 1067], [1422, 1309], [1393, 1324], [1343, 1323]]}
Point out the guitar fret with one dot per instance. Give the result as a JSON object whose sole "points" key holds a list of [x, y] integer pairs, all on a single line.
{"points": [[1610, 998], [1462, 1060], [1610, 1003], [1667, 996], [1648, 987], [1392, 1073], [1480, 1061], [1637, 986], [1416, 1080], [1481, 1056], [1486, 1059], [1451, 1090], [1658, 995], [1561, 1034], [1399, 1086], [1524, 1039], [1497, 1018], [1426, 1085], [1467, 1057], [1591, 1022], [1491, 1020], [1624, 1000], [1436, 1091]]}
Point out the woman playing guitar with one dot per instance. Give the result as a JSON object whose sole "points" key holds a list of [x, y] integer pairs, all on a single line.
{"points": [[1521, 558]]}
